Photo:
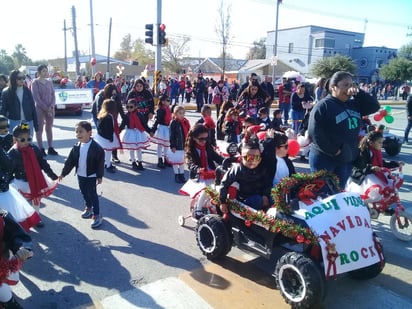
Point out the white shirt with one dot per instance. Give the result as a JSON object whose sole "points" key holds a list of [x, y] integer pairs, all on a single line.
{"points": [[282, 170], [82, 168]]}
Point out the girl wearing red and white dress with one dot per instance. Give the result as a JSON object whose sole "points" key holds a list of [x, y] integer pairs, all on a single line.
{"points": [[108, 132], [33, 176], [161, 130], [136, 135], [179, 128]]}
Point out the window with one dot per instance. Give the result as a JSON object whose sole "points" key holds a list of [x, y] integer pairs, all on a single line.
{"points": [[290, 50], [325, 43]]}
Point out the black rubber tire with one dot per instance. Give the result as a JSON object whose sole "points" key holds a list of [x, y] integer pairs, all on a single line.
{"points": [[212, 237], [392, 148], [299, 280], [370, 271]]}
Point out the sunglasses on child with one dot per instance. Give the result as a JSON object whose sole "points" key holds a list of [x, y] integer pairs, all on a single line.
{"points": [[130, 106], [202, 139], [22, 139], [250, 158]]}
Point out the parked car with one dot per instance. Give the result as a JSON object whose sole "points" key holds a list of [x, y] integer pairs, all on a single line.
{"points": [[65, 109]]}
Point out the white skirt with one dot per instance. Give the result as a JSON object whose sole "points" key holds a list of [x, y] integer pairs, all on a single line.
{"points": [[370, 189], [24, 188], [106, 144], [19, 208], [175, 158], [193, 188], [134, 139], [162, 136]]}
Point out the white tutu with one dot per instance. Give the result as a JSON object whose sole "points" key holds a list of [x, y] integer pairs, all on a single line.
{"points": [[162, 136], [193, 188], [175, 158], [24, 188], [134, 139], [19, 208], [370, 189], [106, 144]]}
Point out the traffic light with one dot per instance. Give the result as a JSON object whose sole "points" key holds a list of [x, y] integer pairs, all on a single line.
{"points": [[149, 34], [161, 35]]}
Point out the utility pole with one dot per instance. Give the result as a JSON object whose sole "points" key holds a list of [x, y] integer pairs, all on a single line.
{"points": [[158, 52], [275, 47], [92, 33], [76, 50], [65, 46], [108, 50]]}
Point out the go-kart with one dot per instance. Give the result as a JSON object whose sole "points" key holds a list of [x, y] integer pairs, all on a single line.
{"points": [[325, 231]]}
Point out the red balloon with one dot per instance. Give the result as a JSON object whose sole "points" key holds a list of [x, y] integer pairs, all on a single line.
{"points": [[378, 117], [293, 147], [93, 61], [383, 112]]}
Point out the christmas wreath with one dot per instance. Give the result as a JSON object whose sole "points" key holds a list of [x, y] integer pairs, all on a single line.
{"points": [[287, 228], [306, 186]]}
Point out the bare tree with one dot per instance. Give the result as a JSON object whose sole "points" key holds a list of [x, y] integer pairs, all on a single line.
{"points": [[174, 52], [223, 31]]}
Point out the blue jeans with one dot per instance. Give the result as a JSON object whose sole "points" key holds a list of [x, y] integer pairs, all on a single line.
{"points": [[87, 187], [407, 129], [319, 161], [285, 108], [297, 118]]}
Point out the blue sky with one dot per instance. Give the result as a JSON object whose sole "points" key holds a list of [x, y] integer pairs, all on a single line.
{"points": [[38, 24]]}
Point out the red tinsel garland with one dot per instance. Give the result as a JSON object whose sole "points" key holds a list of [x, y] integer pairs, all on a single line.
{"points": [[8, 266]]}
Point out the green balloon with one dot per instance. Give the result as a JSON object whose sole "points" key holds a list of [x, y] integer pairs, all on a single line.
{"points": [[389, 118], [388, 108]]}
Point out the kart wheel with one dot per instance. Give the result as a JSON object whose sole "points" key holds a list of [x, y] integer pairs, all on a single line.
{"points": [[212, 237], [370, 271], [300, 281], [181, 220], [402, 231], [392, 147], [373, 213]]}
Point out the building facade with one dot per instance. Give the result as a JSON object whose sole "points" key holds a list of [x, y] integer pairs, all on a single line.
{"points": [[301, 47]]}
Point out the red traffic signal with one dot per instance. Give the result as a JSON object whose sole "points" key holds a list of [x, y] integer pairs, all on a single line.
{"points": [[161, 35]]}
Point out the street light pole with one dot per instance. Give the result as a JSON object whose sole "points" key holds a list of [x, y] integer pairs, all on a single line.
{"points": [[92, 33], [275, 46]]}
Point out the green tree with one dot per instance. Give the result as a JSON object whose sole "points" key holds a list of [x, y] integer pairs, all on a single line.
{"points": [[142, 54], [126, 48], [328, 66], [174, 52], [20, 56], [406, 51], [6, 62], [258, 51], [397, 69]]}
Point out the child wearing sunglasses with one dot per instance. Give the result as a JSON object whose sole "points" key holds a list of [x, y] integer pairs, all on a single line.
{"points": [[251, 175], [6, 139], [284, 166], [33, 176], [161, 130], [136, 135]]}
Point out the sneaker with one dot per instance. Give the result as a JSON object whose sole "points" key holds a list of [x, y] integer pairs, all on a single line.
{"points": [[43, 152], [52, 151], [97, 221], [111, 169], [182, 178], [134, 166], [115, 159], [87, 213], [40, 225], [160, 163]]}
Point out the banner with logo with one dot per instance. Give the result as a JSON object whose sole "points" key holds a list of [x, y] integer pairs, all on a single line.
{"points": [[342, 223], [74, 96]]}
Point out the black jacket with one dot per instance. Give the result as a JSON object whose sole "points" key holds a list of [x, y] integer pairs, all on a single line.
{"points": [[105, 127], [193, 161], [94, 161], [18, 168], [177, 137], [362, 166], [14, 237], [409, 106], [126, 121], [6, 142], [11, 106], [6, 171]]}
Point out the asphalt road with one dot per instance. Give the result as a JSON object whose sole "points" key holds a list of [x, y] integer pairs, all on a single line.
{"points": [[141, 244]]}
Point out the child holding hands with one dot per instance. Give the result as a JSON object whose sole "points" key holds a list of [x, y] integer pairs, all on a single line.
{"points": [[87, 156]]}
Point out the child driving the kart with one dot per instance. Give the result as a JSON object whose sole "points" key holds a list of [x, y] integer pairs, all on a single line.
{"points": [[252, 176]]}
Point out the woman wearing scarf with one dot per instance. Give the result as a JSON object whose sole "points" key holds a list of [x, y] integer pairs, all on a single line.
{"points": [[28, 163], [202, 160]]}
